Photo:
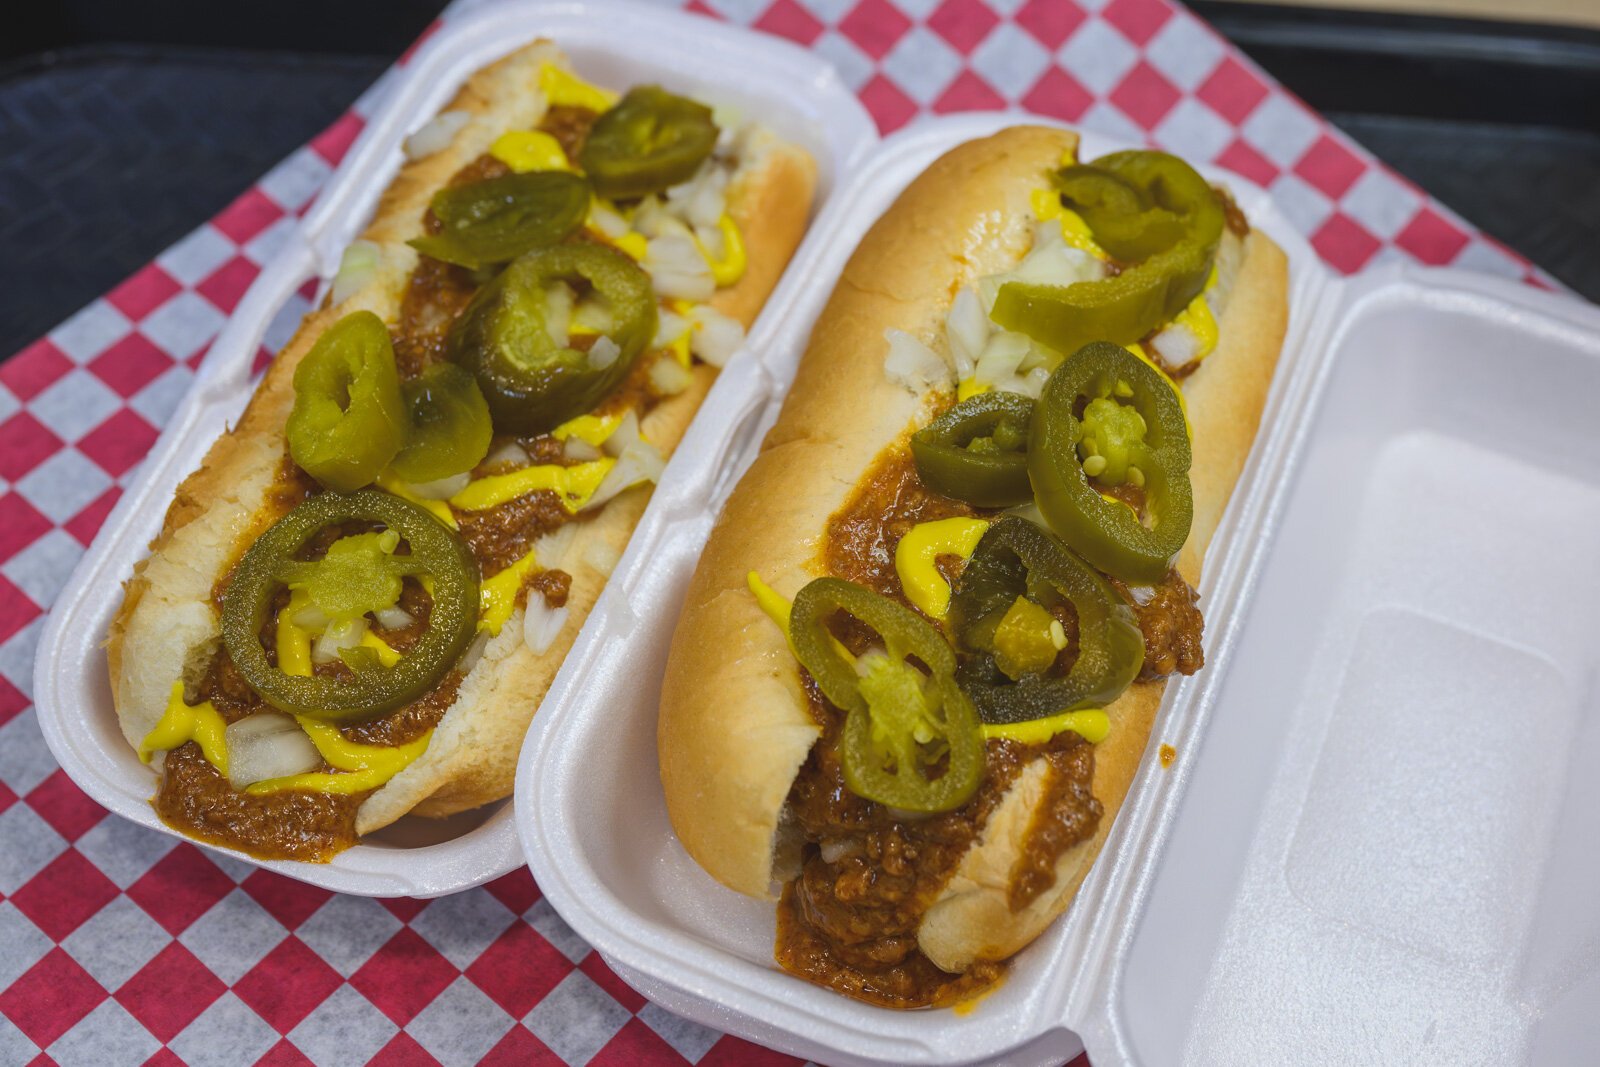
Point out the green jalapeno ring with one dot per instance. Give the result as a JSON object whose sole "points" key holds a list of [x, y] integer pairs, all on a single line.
{"points": [[1107, 534], [1123, 220], [450, 429], [949, 461], [649, 140], [533, 384], [496, 220], [435, 552], [348, 419], [1127, 307], [874, 732], [1017, 558]]}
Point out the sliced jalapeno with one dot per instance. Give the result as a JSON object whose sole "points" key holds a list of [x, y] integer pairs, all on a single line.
{"points": [[1122, 218], [1162, 199], [348, 419], [650, 140], [534, 381], [910, 740], [977, 451], [498, 219], [450, 429], [1131, 431], [1001, 616], [349, 581]]}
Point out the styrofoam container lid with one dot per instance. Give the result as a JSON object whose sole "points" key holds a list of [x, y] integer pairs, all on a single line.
{"points": [[1372, 839], [794, 92]]}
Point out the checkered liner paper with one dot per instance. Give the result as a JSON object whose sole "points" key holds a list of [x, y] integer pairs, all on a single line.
{"points": [[123, 946]]}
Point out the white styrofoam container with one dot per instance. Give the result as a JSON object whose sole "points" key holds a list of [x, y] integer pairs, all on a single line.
{"points": [[792, 91], [1385, 843]]}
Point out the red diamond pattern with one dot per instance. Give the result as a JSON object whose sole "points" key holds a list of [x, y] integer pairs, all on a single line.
{"points": [[182, 886], [66, 808], [1344, 244], [404, 974], [1330, 166], [119, 443], [142, 293], [288, 984], [1432, 238], [1051, 21], [131, 364], [1139, 20], [20, 525], [875, 26], [788, 19], [1145, 96], [34, 369], [60, 898], [964, 23], [50, 997], [1233, 90], [24, 444], [170, 991]]}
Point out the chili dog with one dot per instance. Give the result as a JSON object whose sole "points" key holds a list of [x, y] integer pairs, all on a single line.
{"points": [[357, 602], [918, 663]]}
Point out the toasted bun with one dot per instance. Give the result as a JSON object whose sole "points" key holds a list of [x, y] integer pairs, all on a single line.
{"points": [[734, 727], [167, 627]]}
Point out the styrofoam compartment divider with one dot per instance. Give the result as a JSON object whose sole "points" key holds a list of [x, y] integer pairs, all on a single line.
{"points": [[791, 90], [1410, 487]]}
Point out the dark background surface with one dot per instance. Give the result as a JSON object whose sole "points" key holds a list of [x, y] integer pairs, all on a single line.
{"points": [[124, 126]]}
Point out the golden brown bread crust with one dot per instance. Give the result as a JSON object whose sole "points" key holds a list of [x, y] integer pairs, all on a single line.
{"points": [[166, 626], [734, 727]]}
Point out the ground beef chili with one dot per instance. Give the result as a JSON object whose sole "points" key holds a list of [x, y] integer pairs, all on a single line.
{"points": [[850, 920], [1172, 625], [570, 126]]}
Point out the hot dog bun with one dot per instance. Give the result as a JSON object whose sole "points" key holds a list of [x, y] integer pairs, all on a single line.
{"points": [[734, 726], [167, 627]]}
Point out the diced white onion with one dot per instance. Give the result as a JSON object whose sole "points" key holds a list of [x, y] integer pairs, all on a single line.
{"points": [[669, 327], [578, 450], [1032, 383], [668, 377], [267, 745], [1176, 345], [913, 364], [508, 454], [835, 849], [558, 301], [340, 635], [640, 462], [1001, 358], [309, 617], [1051, 261], [677, 269], [608, 222], [700, 200], [1029, 511], [603, 352], [393, 618], [541, 624], [626, 433], [650, 216], [356, 267], [1142, 594], [443, 488], [966, 329], [436, 134], [716, 336]]}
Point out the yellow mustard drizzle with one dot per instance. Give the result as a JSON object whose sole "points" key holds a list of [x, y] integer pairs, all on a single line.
{"points": [[1092, 724], [561, 87], [968, 388], [1046, 204], [293, 642], [200, 723], [590, 429], [437, 508], [364, 767], [731, 267], [574, 485], [529, 150], [497, 596], [916, 555]]}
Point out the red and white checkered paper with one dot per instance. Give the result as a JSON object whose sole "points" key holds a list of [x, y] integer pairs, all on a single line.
{"points": [[123, 946]]}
